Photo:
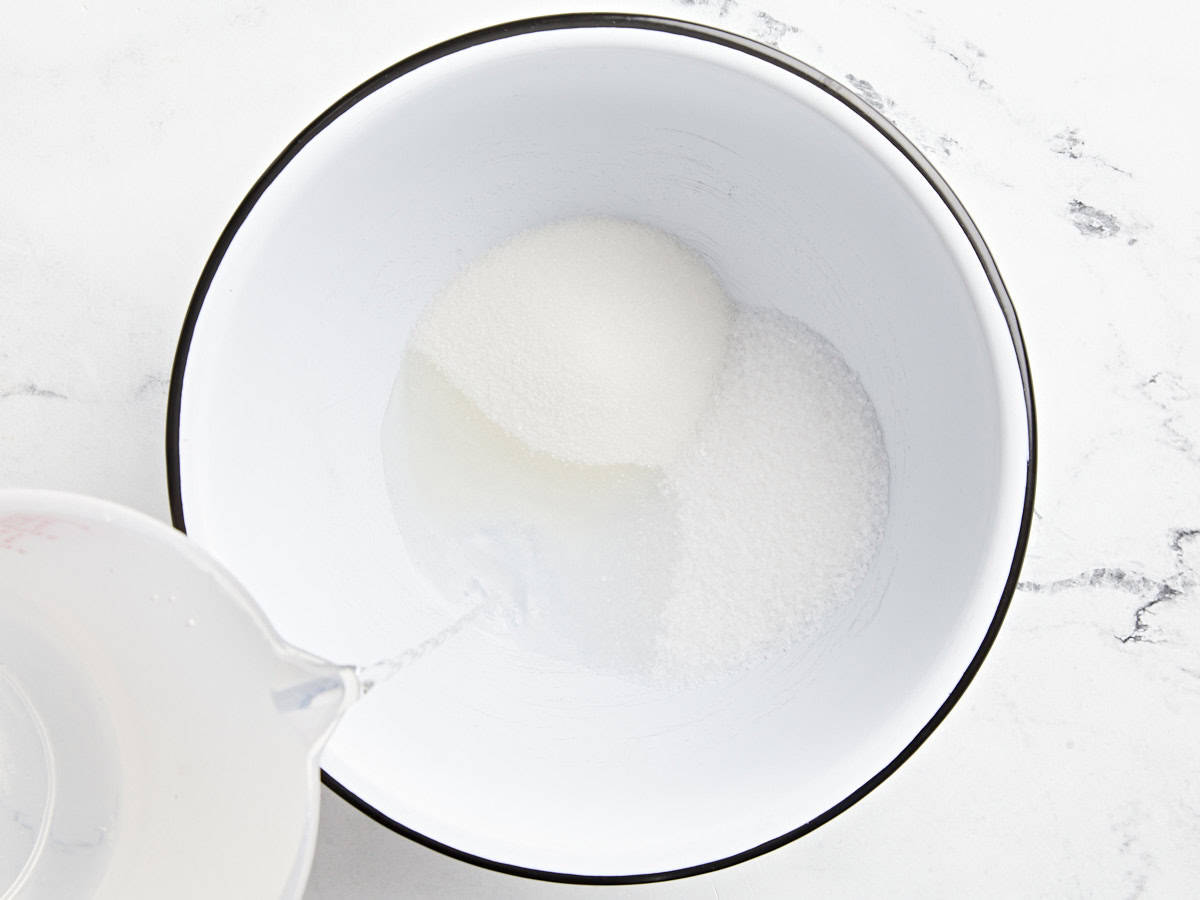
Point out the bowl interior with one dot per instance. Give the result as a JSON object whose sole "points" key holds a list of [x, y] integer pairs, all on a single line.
{"points": [[798, 203]]}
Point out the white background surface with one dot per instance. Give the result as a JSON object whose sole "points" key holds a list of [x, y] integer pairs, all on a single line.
{"points": [[129, 133]]}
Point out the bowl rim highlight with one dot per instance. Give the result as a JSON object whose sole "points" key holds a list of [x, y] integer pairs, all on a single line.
{"points": [[790, 65]]}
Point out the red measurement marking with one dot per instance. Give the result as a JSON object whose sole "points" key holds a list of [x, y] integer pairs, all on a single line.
{"points": [[17, 529]]}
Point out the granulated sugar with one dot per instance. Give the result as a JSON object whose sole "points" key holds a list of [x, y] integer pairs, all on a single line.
{"points": [[782, 498], [644, 477], [593, 340]]}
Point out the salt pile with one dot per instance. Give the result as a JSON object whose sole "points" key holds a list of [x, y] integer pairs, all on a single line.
{"points": [[647, 478]]}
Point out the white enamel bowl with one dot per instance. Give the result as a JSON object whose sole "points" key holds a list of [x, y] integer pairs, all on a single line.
{"points": [[800, 197]]}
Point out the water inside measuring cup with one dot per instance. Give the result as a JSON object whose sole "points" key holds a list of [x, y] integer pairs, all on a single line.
{"points": [[60, 774]]}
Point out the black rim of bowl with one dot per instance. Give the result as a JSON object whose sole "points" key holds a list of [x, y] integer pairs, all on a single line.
{"points": [[776, 58]]}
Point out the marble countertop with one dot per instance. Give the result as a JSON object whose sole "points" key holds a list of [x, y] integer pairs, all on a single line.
{"points": [[1070, 767]]}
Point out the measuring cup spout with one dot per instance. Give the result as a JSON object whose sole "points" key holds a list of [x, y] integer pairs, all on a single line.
{"points": [[316, 697]]}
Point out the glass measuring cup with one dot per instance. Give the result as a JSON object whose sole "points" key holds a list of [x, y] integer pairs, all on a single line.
{"points": [[157, 738]]}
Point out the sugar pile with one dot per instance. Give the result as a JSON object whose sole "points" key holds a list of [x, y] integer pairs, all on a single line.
{"points": [[645, 478], [593, 340], [782, 500]]}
